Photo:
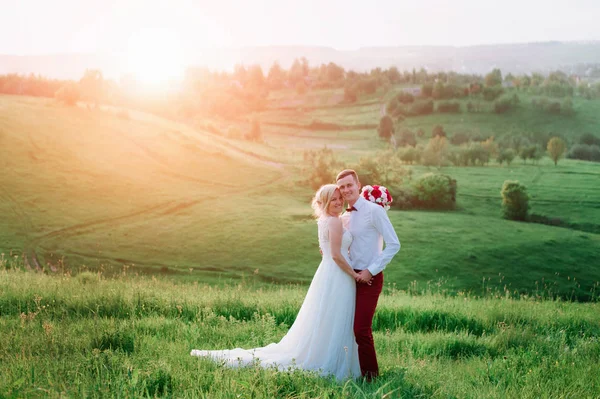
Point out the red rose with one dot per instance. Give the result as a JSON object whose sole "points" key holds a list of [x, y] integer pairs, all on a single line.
{"points": [[376, 192]]}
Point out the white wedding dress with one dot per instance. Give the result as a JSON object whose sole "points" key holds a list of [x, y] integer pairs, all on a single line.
{"points": [[322, 337]]}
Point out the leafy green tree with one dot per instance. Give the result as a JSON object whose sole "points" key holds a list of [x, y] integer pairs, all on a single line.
{"points": [[386, 127], [334, 72], [296, 73], [276, 76], [506, 155], [556, 149], [394, 75], [435, 152], [320, 167], [255, 75], [493, 78]]}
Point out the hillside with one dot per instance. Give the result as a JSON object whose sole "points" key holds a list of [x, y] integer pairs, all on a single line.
{"points": [[125, 178], [107, 189]]}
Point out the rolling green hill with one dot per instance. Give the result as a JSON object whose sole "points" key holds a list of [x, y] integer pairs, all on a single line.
{"points": [[107, 188]]}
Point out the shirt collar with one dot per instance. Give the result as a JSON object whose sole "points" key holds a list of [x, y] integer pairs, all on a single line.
{"points": [[360, 202]]}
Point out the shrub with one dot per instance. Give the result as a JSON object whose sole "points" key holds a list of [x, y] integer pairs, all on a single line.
{"points": [[585, 152], [553, 108], [407, 138], [320, 167], [502, 105], [434, 191], [438, 130], [368, 86], [446, 91], [427, 90], [459, 138], [391, 106], [449, 107], [410, 155], [403, 198], [589, 139], [383, 168], [68, 94], [405, 98], [422, 108], [515, 200], [492, 93]]}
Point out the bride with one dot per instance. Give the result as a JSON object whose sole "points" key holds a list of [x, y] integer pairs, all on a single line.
{"points": [[322, 338]]}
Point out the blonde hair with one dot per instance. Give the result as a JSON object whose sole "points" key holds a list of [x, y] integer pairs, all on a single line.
{"points": [[322, 199]]}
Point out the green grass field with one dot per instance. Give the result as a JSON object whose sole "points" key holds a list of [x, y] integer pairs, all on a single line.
{"points": [[92, 190], [156, 237], [524, 119], [88, 336]]}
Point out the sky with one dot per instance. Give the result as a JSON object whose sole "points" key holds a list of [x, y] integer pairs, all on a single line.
{"points": [[35, 27]]}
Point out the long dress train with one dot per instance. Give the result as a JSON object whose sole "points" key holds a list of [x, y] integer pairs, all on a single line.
{"points": [[321, 338]]}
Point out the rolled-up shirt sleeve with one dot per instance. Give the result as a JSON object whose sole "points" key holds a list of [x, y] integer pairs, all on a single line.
{"points": [[382, 224]]}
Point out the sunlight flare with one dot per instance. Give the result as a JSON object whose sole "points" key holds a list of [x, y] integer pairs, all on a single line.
{"points": [[156, 57]]}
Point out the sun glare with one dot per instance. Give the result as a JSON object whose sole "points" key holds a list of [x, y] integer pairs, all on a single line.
{"points": [[156, 58]]}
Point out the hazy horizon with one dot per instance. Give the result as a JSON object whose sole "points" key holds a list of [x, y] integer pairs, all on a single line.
{"points": [[105, 27], [157, 42]]}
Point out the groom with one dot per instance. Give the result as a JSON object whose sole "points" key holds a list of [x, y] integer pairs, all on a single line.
{"points": [[369, 224]]}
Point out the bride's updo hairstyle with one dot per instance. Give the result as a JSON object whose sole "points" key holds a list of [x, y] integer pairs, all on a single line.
{"points": [[322, 199]]}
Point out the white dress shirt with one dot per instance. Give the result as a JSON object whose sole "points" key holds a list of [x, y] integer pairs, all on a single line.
{"points": [[370, 227]]}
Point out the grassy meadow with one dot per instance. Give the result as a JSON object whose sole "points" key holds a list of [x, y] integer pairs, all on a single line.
{"points": [[91, 336], [98, 190], [156, 237]]}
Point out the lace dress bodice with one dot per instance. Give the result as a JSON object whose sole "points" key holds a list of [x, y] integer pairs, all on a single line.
{"points": [[324, 242]]}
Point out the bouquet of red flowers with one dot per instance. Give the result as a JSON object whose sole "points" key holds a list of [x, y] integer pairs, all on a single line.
{"points": [[378, 195]]}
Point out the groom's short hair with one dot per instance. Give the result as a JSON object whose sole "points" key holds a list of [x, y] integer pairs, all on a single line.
{"points": [[347, 172]]}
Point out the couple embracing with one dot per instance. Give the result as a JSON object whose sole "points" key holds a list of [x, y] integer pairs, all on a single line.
{"points": [[332, 333]]}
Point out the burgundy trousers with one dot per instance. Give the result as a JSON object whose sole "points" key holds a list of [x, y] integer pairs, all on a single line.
{"points": [[366, 302]]}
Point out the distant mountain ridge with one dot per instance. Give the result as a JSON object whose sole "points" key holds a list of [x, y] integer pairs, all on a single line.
{"points": [[480, 59]]}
